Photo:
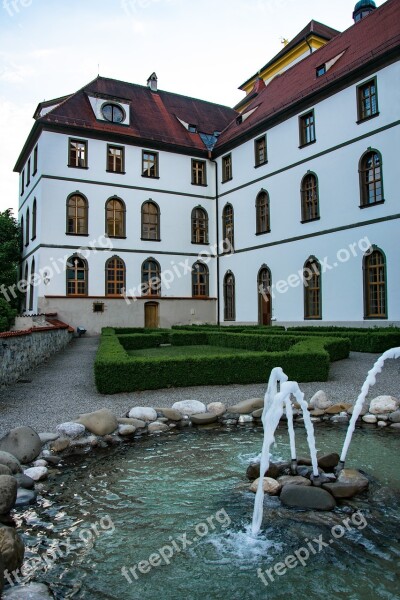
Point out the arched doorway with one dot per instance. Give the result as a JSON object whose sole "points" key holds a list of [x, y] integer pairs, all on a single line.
{"points": [[151, 315], [264, 296]]}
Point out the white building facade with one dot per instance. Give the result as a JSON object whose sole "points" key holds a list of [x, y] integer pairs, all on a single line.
{"points": [[143, 208]]}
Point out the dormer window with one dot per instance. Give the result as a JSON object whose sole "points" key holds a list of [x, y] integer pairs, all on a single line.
{"points": [[192, 128], [113, 113], [321, 70]]}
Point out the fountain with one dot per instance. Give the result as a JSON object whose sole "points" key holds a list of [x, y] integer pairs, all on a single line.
{"points": [[274, 403]]}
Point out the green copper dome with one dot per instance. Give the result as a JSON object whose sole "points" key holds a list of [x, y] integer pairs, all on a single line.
{"points": [[364, 4]]}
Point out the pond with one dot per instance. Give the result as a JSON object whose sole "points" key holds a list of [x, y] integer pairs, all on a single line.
{"points": [[169, 517]]}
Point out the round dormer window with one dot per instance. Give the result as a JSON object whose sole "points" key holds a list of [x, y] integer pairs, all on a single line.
{"points": [[113, 113]]}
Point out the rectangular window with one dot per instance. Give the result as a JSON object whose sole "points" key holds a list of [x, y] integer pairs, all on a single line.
{"points": [[260, 150], [28, 173], [149, 164], [199, 172], [35, 160], [77, 156], [321, 70], [226, 168], [22, 183], [367, 100], [307, 129], [115, 159]]}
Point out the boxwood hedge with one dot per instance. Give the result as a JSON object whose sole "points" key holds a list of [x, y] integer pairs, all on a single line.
{"points": [[303, 358]]}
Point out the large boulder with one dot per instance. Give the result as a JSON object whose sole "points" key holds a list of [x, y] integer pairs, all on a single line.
{"points": [[245, 407], [23, 443], [204, 418], [320, 401], [353, 478], [217, 408], [270, 486], [341, 490], [31, 591], [293, 480], [99, 422], [10, 461], [5, 470], [383, 405], [313, 498], [336, 409], [253, 471], [189, 407], [143, 413], [328, 461], [11, 548], [70, 429], [8, 493]]}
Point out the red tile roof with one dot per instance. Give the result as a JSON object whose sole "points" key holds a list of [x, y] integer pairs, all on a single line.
{"points": [[153, 115], [312, 28], [373, 38]]}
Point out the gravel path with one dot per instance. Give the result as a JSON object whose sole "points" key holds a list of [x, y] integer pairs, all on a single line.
{"points": [[63, 387]]}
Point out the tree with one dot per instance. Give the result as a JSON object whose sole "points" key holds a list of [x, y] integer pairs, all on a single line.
{"points": [[10, 252]]}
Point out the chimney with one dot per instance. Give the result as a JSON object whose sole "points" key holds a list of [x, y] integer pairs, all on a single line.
{"points": [[152, 82]]}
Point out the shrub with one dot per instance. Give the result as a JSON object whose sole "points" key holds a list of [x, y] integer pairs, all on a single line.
{"points": [[376, 340], [7, 315]]}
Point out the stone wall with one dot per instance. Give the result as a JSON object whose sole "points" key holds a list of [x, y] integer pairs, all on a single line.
{"points": [[20, 351]]}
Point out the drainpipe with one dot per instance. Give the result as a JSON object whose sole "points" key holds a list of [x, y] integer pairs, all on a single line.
{"points": [[308, 43], [217, 232]]}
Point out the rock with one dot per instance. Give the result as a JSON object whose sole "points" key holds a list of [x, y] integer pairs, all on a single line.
{"points": [[320, 401], [257, 414], [11, 549], [189, 407], [304, 460], [395, 426], [363, 412], [53, 460], [48, 437], [313, 498], [99, 422], [40, 463], [23, 443], [25, 482], [157, 427], [8, 493], [25, 497], [335, 409], [382, 417], [369, 419], [137, 423], [270, 486], [394, 417], [31, 591], [125, 430], [383, 405], [143, 413], [342, 418], [60, 444], [382, 424], [246, 407], [37, 473], [204, 418], [245, 419], [5, 470], [341, 490], [328, 461], [71, 430], [217, 408], [352, 477], [170, 414], [86, 441], [293, 480], [317, 412], [10, 461], [253, 471]]}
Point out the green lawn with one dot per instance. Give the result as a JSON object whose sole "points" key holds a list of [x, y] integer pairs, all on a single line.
{"points": [[176, 351]]}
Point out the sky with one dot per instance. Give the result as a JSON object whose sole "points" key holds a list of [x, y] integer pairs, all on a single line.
{"points": [[199, 48]]}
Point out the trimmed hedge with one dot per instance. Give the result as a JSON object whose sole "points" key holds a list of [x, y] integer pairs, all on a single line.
{"points": [[361, 340], [303, 358]]}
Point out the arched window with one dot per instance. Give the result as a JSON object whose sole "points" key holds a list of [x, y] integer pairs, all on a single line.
{"points": [[27, 226], [264, 282], [151, 282], [22, 233], [262, 213], [115, 276], [229, 297], [375, 293], [309, 198], [371, 185], [199, 279], [34, 218], [199, 226], [26, 288], [77, 276], [150, 221], [31, 285], [77, 215], [312, 289], [228, 226], [115, 217]]}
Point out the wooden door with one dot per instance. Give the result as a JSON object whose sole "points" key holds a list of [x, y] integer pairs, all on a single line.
{"points": [[151, 315], [265, 309]]}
